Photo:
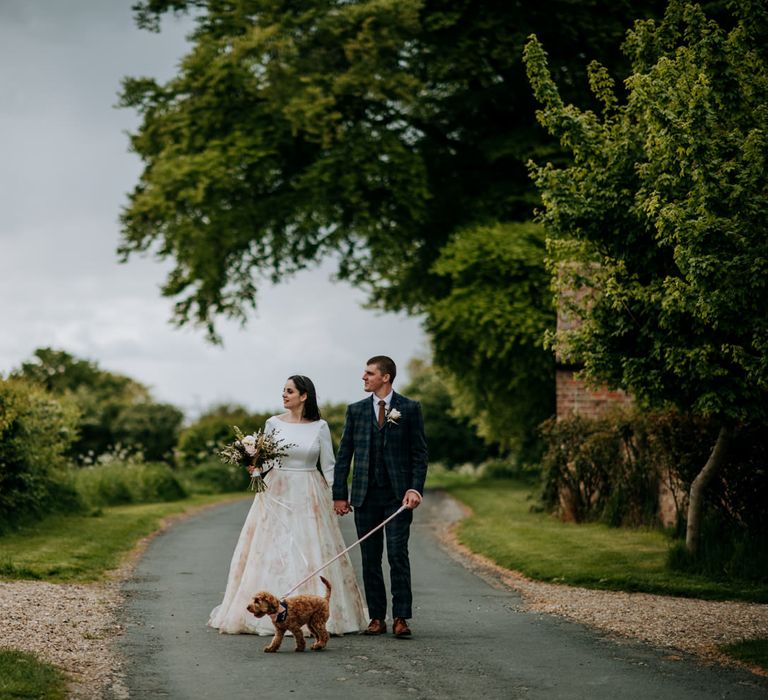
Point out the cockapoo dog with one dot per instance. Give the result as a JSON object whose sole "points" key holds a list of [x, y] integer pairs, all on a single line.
{"points": [[291, 614]]}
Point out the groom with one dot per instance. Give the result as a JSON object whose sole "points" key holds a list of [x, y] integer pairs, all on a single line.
{"points": [[385, 433]]}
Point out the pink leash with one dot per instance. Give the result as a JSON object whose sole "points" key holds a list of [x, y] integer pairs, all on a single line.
{"points": [[342, 553]]}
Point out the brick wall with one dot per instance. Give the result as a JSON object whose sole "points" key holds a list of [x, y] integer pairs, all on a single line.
{"points": [[573, 397]]}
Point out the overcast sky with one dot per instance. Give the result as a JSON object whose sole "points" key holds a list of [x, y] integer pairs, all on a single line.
{"points": [[65, 170]]}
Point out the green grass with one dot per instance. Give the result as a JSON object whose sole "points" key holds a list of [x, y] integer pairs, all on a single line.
{"points": [[78, 548], [504, 528], [22, 675], [751, 651]]}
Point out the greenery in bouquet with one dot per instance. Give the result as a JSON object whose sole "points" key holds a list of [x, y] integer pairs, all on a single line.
{"points": [[259, 453]]}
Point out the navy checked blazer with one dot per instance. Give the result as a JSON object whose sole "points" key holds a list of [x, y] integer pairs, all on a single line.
{"points": [[405, 450]]}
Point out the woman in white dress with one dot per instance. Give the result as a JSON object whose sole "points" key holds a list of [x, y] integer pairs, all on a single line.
{"points": [[291, 528]]}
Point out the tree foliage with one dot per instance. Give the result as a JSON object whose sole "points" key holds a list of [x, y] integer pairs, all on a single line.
{"points": [[200, 442], [488, 332], [154, 427], [36, 430], [370, 129], [114, 409], [452, 439], [663, 209]]}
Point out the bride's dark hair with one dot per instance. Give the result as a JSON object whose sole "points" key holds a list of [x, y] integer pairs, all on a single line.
{"points": [[304, 385]]}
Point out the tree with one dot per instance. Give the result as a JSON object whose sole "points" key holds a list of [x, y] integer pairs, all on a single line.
{"points": [[113, 408], [371, 129], [200, 442], [663, 210], [452, 439], [488, 332], [152, 426]]}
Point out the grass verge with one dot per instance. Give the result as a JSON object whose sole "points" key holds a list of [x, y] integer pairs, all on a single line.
{"points": [[23, 675], [751, 651], [504, 528], [79, 548]]}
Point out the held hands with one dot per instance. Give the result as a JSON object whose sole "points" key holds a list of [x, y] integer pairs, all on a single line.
{"points": [[341, 507]]}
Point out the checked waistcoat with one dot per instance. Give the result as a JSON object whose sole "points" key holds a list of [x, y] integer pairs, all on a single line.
{"points": [[377, 471]]}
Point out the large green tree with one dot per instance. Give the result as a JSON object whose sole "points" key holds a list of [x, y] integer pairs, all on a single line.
{"points": [[488, 332], [368, 129], [661, 218]]}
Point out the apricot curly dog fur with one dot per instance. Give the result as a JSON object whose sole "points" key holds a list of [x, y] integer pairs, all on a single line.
{"points": [[290, 614]]}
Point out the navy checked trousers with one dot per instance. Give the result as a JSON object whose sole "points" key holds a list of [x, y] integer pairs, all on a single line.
{"points": [[379, 504]]}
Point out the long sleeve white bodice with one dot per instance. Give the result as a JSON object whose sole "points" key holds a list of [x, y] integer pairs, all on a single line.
{"points": [[310, 441]]}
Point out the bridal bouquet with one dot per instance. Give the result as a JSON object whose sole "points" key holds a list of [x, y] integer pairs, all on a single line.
{"points": [[259, 453]]}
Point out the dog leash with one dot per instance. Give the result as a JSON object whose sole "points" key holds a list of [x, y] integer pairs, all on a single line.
{"points": [[343, 552]]}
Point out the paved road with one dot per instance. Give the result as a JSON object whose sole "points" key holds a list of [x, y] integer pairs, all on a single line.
{"points": [[470, 640]]}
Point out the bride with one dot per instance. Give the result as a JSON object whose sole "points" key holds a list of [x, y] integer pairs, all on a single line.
{"points": [[291, 529]]}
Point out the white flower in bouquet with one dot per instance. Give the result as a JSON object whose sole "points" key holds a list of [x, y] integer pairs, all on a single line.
{"points": [[249, 444]]}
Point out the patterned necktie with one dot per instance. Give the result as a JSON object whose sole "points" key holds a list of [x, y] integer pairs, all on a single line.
{"points": [[382, 403]]}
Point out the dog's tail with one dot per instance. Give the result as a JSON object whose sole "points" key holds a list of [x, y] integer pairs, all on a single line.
{"points": [[327, 587]]}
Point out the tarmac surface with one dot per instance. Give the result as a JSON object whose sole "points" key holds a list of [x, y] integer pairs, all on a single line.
{"points": [[470, 639]]}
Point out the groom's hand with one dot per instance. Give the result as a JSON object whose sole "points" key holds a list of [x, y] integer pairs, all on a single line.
{"points": [[341, 507], [411, 499]]}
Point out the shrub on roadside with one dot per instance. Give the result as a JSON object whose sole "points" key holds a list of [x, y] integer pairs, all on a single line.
{"points": [[200, 442], [216, 477], [600, 470], [611, 469], [36, 430], [120, 483]]}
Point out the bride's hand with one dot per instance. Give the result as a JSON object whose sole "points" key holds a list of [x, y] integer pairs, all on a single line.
{"points": [[341, 507]]}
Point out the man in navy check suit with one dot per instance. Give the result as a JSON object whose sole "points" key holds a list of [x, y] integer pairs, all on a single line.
{"points": [[385, 436]]}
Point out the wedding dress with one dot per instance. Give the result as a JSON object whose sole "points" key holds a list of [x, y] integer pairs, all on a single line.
{"points": [[290, 531]]}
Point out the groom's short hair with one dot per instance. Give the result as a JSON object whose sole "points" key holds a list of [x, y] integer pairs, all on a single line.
{"points": [[385, 364]]}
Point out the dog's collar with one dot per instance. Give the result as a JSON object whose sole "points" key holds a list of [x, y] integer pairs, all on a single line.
{"points": [[282, 612]]}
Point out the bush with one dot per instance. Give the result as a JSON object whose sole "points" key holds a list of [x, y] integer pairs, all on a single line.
{"points": [[119, 483], [610, 469], [35, 432], [725, 553], [152, 428], [600, 470], [200, 442], [216, 477]]}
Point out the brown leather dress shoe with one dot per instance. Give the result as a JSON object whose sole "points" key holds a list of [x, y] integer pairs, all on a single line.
{"points": [[400, 627], [376, 626]]}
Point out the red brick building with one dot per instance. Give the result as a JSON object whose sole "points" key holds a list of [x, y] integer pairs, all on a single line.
{"points": [[572, 394], [574, 397]]}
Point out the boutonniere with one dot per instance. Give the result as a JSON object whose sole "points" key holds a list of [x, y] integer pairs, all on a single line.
{"points": [[393, 416]]}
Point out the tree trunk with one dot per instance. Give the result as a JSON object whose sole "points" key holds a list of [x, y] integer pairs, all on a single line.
{"points": [[695, 499]]}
